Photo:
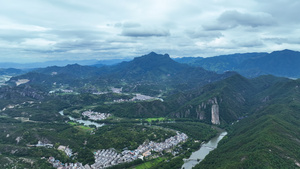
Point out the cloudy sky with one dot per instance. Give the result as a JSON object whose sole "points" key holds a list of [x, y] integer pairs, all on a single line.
{"points": [[40, 30]]}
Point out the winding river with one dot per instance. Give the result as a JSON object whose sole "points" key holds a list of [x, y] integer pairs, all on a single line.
{"points": [[85, 122], [204, 150]]}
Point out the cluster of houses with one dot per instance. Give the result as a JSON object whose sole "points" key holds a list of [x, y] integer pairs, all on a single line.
{"points": [[59, 165], [61, 90], [109, 157], [66, 149], [96, 115]]}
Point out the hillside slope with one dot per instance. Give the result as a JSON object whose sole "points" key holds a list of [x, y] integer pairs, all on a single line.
{"points": [[269, 138]]}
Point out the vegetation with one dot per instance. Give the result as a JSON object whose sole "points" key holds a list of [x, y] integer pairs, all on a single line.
{"points": [[149, 164], [155, 119], [260, 114], [196, 130], [268, 138]]}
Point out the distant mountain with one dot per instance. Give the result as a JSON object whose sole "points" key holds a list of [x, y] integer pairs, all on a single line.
{"points": [[46, 64], [188, 60], [109, 62], [73, 70], [11, 71], [279, 63], [96, 63], [155, 70], [155, 67]]}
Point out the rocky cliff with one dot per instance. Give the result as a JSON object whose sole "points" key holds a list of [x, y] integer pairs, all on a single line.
{"points": [[206, 110], [215, 114]]}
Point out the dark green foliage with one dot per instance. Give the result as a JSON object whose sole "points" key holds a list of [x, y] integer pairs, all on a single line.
{"points": [[85, 156], [126, 135], [135, 110], [196, 130], [174, 163], [127, 165], [7, 162], [267, 139]]}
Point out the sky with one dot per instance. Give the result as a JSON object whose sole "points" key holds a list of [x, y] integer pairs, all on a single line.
{"points": [[44, 30]]}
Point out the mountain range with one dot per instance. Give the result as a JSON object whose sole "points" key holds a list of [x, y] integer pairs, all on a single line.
{"points": [[261, 114], [152, 72], [283, 63], [34, 65]]}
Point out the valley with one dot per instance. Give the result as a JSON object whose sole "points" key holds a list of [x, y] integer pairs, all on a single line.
{"points": [[150, 112]]}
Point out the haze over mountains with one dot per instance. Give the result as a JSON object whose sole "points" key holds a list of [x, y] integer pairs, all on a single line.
{"points": [[283, 63], [279, 63], [155, 70]]}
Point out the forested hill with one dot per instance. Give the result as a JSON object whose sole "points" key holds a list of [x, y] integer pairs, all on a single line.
{"points": [[152, 71], [283, 63], [269, 138]]}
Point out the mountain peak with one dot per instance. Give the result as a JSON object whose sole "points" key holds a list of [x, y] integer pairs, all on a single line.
{"points": [[153, 57], [284, 51]]}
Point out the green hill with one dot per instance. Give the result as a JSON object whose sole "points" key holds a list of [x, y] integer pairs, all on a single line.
{"points": [[269, 138]]}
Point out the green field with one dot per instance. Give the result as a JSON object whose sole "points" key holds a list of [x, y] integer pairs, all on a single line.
{"points": [[72, 123], [85, 128], [155, 119], [81, 127], [149, 164]]}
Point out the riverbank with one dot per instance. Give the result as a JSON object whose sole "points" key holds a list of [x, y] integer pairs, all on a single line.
{"points": [[84, 122], [204, 150]]}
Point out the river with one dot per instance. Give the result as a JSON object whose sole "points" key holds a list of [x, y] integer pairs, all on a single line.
{"points": [[85, 122], [204, 150]]}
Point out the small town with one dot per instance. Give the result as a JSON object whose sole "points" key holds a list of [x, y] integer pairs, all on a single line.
{"points": [[96, 115], [109, 157]]}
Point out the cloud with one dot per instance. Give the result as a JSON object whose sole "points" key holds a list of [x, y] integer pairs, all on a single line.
{"points": [[217, 26], [131, 25], [203, 34], [231, 19], [127, 25], [249, 43], [234, 18], [55, 29], [145, 32], [280, 40]]}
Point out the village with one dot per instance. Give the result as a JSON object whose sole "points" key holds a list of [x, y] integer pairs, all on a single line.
{"points": [[96, 115], [110, 157]]}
